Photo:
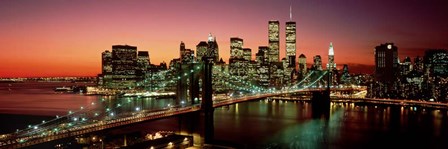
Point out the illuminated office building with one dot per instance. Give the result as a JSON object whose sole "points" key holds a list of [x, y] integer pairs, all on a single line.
{"points": [[124, 68], [247, 54], [142, 62], [262, 61], [213, 47], [274, 41], [436, 62], [291, 41], [317, 62], [386, 62], [237, 64], [201, 48], [236, 48], [106, 62], [302, 64], [182, 50]]}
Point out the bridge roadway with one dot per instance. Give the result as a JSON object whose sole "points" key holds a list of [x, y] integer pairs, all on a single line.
{"points": [[403, 102], [98, 126]]}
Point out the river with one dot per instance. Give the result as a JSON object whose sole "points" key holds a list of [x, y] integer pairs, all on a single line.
{"points": [[254, 124]]}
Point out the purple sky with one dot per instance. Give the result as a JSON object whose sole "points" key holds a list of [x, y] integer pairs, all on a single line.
{"points": [[66, 37]]}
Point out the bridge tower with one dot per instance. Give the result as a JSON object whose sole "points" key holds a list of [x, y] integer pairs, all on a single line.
{"points": [[207, 90], [321, 100], [187, 88]]}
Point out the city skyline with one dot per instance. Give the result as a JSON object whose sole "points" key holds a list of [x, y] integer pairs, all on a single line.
{"points": [[75, 32]]}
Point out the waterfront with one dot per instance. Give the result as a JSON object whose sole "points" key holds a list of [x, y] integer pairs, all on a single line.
{"points": [[261, 123]]}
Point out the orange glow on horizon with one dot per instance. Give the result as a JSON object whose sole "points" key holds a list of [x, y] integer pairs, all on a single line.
{"points": [[66, 38]]}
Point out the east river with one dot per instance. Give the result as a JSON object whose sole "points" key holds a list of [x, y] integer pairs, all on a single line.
{"points": [[254, 124]]}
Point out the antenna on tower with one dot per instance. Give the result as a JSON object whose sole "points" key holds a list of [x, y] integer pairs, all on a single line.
{"points": [[290, 13]]}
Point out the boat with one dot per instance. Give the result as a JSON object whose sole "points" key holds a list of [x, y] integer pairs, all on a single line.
{"points": [[63, 89]]}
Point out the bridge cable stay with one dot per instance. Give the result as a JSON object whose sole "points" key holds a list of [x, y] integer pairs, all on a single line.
{"points": [[318, 79], [290, 89], [240, 87], [301, 81], [241, 80]]}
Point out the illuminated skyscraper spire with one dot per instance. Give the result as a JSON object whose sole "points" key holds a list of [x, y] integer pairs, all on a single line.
{"points": [[331, 64], [210, 37], [290, 13], [330, 50]]}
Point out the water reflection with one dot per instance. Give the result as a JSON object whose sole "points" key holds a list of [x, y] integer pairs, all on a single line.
{"points": [[263, 123], [349, 126]]}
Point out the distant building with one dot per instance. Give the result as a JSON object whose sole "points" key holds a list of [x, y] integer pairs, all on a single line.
{"points": [[213, 47], [186, 55], [247, 54], [345, 77], [274, 40], [418, 64], [317, 62], [262, 61], [436, 74], [124, 68], [201, 48], [302, 65], [182, 51], [331, 65], [291, 43], [236, 48], [386, 73], [106, 62], [386, 62], [237, 64], [406, 66], [436, 62], [143, 63], [262, 55]]}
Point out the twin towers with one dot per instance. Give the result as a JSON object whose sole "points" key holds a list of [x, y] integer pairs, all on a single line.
{"points": [[290, 32]]}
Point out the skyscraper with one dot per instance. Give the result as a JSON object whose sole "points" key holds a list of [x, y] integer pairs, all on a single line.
{"points": [[262, 55], [262, 66], [345, 77], [436, 62], [236, 48], [182, 50], [317, 62], [274, 35], [247, 54], [291, 41], [302, 64], [418, 64], [124, 59], [405, 67], [106, 60], [436, 72], [213, 47], [331, 65], [237, 64], [201, 48], [124, 64], [142, 63], [386, 62]]}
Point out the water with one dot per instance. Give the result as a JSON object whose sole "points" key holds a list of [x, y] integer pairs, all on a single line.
{"points": [[258, 124], [263, 124]]}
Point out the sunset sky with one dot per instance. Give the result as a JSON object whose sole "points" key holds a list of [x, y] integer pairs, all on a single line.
{"points": [[66, 37]]}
